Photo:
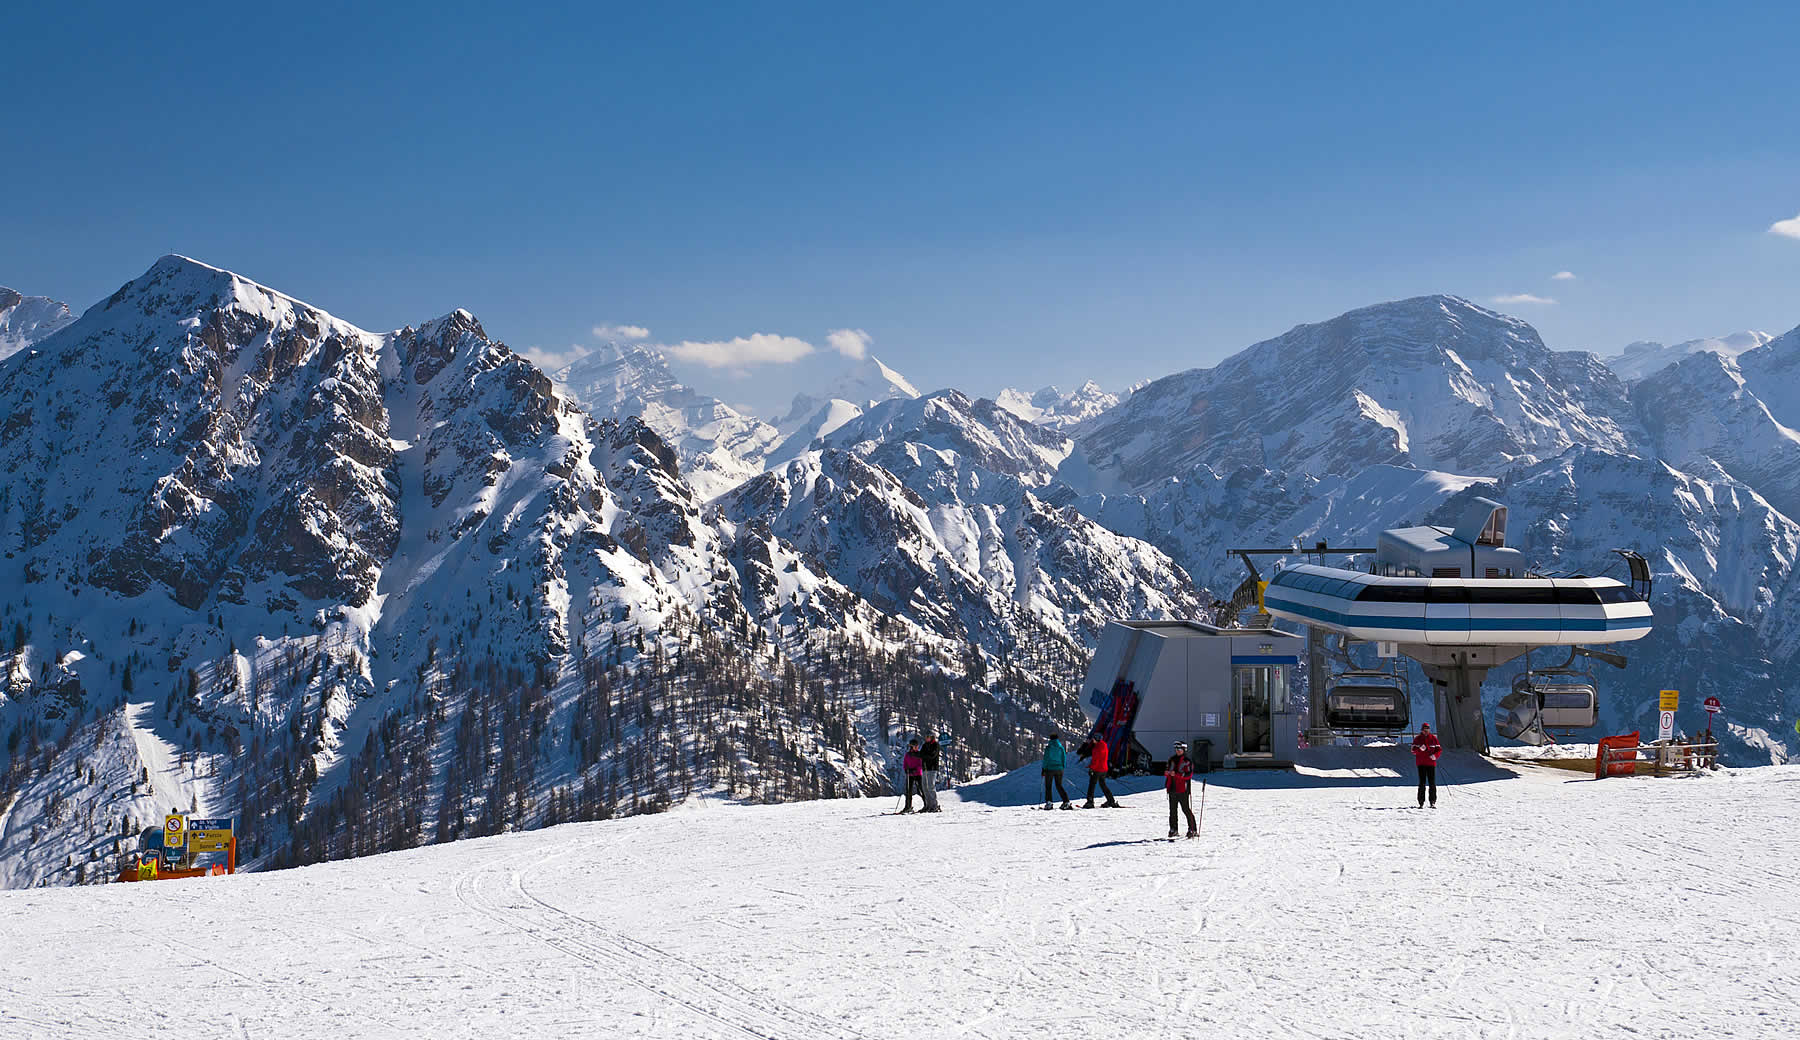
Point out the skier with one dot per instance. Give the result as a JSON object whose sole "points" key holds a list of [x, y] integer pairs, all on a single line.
{"points": [[1426, 750], [929, 759], [915, 772], [1055, 757], [1098, 755], [1178, 775]]}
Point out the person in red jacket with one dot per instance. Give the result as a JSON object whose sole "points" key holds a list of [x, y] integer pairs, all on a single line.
{"points": [[1099, 756], [914, 763], [1178, 775], [1426, 752]]}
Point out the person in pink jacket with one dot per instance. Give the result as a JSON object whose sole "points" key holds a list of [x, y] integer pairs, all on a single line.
{"points": [[1426, 751], [914, 764]]}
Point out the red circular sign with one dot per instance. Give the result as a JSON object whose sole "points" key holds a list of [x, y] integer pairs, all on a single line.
{"points": [[1712, 705]]}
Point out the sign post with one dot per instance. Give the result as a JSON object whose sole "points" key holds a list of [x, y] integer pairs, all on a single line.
{"points": [[213, 835], [1665, 723]]}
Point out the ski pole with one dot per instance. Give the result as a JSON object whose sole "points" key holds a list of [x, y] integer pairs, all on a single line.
{"points": [[1202, 821]]}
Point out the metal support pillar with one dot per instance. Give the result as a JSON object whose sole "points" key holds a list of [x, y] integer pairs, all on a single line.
{"points": [[1315, 678], [1456, 674], [1457, 691]]}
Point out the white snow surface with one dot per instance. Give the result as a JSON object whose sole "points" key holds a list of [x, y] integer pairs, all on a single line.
{"points": [[1533, 903]]}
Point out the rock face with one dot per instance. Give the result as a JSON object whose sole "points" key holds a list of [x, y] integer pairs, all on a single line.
{"points": [[1433, 382], [26, 319]]}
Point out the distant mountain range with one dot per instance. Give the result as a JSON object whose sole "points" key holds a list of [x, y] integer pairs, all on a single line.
{"points": [[262, 561], [1645, 358]]}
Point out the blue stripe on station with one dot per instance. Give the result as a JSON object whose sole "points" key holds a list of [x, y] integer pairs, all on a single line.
{"points": [[1457, 624]]}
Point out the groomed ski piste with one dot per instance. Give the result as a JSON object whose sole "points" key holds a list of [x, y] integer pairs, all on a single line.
{"points": [[1534, 902]]}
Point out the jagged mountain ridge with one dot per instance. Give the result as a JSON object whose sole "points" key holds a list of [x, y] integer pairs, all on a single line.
{"points": [[1052, 407]]}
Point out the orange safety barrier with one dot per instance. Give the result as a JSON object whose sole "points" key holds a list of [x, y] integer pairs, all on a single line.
{"points": [[1616, 765]]}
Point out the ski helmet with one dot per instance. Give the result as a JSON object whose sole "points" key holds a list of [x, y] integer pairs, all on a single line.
{"points": [[1181, 745]]}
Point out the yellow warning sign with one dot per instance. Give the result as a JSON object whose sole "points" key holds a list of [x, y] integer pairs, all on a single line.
{"points": [[1669, 699], [174, 831]]}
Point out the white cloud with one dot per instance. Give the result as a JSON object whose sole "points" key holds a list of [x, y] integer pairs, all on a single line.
{"points": [[1786, 228], [759, 348], [1563, 276], [852, 343], [1523, 297], [618, 332]]}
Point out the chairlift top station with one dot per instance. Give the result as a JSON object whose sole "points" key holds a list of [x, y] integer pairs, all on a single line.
{"points": [[1459, 601]]}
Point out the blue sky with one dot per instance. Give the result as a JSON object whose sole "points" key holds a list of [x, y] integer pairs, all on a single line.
{"points": [[997, 195]]}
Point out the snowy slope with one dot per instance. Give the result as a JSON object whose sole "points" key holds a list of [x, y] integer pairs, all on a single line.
{"points": [[1530, 904], [1644, 359], [1704, 411], [26, 319]]}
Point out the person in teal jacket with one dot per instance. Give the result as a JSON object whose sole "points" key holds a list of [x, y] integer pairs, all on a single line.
{"points": [[1055, 757]]}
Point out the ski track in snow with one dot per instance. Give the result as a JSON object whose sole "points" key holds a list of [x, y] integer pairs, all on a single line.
{"points": [[1532, 903]]}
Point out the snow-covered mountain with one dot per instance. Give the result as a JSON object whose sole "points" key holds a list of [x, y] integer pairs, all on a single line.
{"points": [[719, 446], [936, 508], [1645, 358], [1704, 411], [26, 319], [260, 561], [866, 383], [1433, 382], [1052, 407]]}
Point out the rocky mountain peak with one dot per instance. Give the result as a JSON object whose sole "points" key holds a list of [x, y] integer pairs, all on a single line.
{"points": [[1433, 381], [25, 320]]}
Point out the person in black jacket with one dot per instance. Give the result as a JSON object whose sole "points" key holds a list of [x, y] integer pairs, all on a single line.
{"points": [[932, 754]]}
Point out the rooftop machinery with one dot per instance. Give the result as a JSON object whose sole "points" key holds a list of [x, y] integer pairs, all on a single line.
{"points": [[1460, 601]]}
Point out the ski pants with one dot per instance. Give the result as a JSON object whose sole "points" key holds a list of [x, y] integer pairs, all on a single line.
{"points": [[1182, 801], [913, 785], [1056, 775], [1095, 777], [930, 791], [1428, 776]]}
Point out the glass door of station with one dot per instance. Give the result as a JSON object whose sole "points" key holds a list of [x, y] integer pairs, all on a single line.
{"points": [[1258, 692]]}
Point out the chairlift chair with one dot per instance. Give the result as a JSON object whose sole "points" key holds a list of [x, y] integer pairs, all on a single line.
{"points": [[1546, 699], [1367, 702]]}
